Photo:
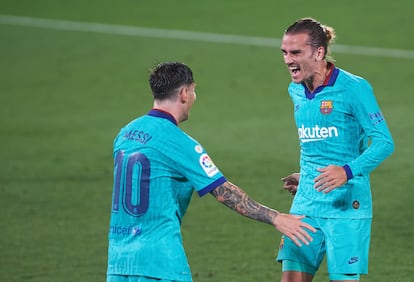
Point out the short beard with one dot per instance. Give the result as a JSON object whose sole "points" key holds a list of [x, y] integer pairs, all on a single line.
{"points": [[309, 82]]}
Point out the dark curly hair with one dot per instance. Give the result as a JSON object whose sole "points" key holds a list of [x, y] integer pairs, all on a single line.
{"points": [[166, 78]]}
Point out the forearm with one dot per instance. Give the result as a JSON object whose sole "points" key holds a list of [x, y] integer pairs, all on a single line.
{"points": [[366, 111], [237, 200], [377, 152]]}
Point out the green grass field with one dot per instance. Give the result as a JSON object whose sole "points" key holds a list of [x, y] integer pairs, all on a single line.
{"points": [[65, 93]]}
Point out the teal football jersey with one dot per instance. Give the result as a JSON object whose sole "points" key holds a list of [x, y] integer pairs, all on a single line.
{"points": [[157, 166], [340, 123]]}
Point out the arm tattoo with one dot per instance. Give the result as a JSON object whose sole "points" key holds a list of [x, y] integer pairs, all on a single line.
{"points": [[236, 199]]}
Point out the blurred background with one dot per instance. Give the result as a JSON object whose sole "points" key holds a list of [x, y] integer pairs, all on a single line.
{"points": [[72, 73]]}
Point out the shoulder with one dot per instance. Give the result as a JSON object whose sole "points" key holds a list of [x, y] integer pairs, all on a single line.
{"points": [[296, 89], [352, 80]]}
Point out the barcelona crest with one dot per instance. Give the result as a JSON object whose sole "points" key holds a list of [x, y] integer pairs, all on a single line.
{"points": [[326, 107]]}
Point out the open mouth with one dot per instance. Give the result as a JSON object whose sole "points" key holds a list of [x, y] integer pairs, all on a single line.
{"points": [[294, 70]]}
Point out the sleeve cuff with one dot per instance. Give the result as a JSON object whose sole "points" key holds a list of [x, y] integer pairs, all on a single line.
{"points": [[348, 172]]}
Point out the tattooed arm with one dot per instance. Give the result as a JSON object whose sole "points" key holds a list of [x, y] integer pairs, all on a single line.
{"points": [[236, 199]]}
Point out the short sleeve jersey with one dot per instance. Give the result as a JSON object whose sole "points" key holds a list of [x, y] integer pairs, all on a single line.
{"points": [[157, 166], [340, 123]]}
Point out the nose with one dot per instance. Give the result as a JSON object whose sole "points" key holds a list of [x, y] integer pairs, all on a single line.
{"points": [[287, 58]]}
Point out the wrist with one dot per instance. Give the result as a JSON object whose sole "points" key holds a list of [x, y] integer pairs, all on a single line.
{"points": [[348, 171]]}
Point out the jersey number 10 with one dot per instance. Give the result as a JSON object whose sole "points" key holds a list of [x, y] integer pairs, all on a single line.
{"points": [[136, 165]]}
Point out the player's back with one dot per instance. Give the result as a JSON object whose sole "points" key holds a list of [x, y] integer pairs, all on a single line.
{"points": [[150, 197]]}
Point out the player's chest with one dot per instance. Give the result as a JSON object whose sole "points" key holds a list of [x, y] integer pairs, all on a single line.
{"points": [[321, 108]]}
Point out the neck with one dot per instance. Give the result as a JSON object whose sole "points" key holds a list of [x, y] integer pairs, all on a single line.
{"points": [[319, 76], [167, 107]]}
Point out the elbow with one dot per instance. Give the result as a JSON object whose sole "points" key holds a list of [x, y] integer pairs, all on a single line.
{"points": [[392, 148], [389, 147]]}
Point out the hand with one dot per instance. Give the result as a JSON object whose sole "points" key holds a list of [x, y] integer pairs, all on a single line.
{"points": [[291, 182], [331, 177], [293, 227]]}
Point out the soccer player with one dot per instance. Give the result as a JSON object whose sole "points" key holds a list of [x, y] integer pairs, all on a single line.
{"points": [[343, 136], [157, 166]]}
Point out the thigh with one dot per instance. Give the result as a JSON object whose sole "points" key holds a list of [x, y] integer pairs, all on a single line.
{"points": [[290, 276], [347, 245], [311, 254]]}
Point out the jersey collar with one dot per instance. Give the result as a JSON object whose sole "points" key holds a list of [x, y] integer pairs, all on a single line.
{"points": [[162, 114], [329, 81]]}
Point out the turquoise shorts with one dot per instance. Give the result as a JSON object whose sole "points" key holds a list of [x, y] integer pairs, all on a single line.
{"points": [[134, 278], [344, 241]]}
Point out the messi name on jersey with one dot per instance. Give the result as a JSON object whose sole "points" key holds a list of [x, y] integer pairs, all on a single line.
{"points": [[138, 135]]}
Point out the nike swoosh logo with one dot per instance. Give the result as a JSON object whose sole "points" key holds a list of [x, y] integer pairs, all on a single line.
{"points": [[353, 260]]}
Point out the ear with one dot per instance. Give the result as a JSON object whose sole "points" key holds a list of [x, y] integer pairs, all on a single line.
{"points": [[183, 95], [320, 53]]}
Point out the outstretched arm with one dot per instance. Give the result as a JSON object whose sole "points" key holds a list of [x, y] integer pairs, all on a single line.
{"points": [[290, 225]]}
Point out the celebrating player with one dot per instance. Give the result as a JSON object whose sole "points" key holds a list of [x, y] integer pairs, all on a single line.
{"points": [[157, 166], [343, 137]]}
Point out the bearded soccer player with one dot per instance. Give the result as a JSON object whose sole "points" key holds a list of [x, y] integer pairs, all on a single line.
{"points": [[343, 137]]}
